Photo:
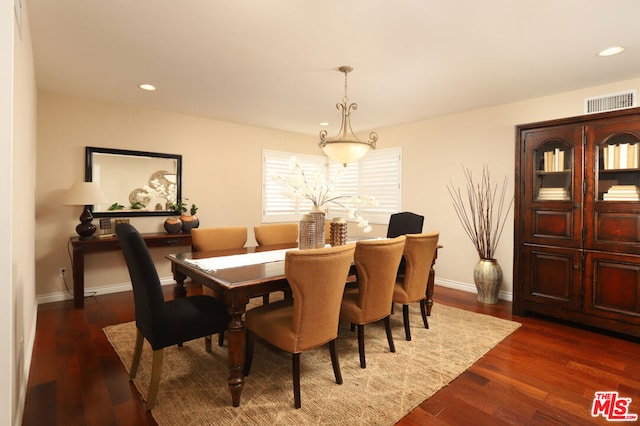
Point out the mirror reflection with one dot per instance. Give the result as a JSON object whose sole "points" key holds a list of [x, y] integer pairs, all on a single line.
{"points": [[134, 182]]}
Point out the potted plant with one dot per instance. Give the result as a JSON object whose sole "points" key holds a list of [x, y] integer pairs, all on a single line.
{"points": [[483, 210], [173, 224], [189, 221]]}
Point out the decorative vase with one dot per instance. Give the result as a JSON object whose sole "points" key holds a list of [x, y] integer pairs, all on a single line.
{"points": [[488, 277], [338, 232], [307, 233], [319, 218], [173, 225], [189, 222]]}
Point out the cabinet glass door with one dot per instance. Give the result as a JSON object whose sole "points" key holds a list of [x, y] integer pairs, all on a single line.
{"points": [[553, 189]]}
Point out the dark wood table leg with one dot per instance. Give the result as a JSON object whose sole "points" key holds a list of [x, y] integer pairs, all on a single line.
{"points": [[431, 284], [237, 339], [77, 265], [179, 291]]}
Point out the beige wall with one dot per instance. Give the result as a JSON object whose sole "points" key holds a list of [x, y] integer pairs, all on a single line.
{"points": [[435, 150], [222, 173], [22, 154]]}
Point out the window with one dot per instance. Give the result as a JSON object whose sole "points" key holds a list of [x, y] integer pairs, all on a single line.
{"points": [[379, 174]]}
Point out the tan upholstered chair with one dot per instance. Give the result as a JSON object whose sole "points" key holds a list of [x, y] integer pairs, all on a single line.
{"points": [[377, 263], [276, 233], [219, 238], [411, 287], [317, 279]]}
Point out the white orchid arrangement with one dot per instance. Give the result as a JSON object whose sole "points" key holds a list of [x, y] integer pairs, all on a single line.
{"points": [[321, 192]]}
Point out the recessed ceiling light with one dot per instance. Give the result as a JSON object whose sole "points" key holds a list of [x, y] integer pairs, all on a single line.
{"points": [[147, 86], [324, 123], [613, 50]]}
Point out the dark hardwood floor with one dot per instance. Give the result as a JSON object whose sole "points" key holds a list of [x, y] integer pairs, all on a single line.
{"points": [[545, 373]]}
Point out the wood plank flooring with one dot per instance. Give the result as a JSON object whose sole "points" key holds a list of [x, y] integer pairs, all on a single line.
{"points": [[545, 373]]}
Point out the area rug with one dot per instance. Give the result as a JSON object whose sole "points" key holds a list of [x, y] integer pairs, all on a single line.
{"points": [[193, 387]]}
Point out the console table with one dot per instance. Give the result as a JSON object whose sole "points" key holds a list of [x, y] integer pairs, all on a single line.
{"points": [[81, 247]]}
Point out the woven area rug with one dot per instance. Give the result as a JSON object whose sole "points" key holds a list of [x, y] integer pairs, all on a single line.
{"points": [[193, 387]]}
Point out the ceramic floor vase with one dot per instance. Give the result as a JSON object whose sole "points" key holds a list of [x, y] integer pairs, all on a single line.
{"points": [[487, 276]]}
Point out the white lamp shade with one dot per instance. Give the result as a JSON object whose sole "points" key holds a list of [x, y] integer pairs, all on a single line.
{"points": [[84, 193], [346, 152]]}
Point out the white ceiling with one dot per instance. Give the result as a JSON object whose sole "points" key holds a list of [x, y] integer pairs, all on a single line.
{"points": [[273, 63]]}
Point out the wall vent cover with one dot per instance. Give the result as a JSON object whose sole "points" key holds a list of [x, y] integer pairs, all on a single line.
{"points": [[611, 102]]}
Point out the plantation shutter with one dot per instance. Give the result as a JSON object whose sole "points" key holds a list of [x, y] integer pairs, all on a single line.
{"points": [[276, 207]]}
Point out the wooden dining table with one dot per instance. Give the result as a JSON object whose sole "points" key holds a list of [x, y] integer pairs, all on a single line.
{"points": [[236, 286]]}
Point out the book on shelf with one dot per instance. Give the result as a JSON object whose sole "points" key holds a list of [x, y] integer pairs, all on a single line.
{"points": [[553, 194], [553, 160], [622, 193], [621, 156]]}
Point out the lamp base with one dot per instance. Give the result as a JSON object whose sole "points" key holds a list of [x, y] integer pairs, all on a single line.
{"points": [[85, 228]]}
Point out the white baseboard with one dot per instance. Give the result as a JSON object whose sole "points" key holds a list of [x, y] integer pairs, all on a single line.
{"points": [[94, 291], [470, 288]]}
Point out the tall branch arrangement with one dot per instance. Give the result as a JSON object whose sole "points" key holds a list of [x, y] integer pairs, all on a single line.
{"points": [[482, 211]]}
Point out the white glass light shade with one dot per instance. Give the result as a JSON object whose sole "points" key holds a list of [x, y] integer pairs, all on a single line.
{"points": [[84, 193], [346, 152]]}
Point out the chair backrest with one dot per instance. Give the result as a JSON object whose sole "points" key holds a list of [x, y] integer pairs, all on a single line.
{"points": [[317, 278], [219, 238], [419, 250], [377, 262], [276, 233], [404, 223], [147, 291]]}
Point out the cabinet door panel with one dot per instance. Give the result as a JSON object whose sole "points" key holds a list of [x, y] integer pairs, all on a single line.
{"points": [[551, 187], [617, 227], [613, 286], [553, 276]]}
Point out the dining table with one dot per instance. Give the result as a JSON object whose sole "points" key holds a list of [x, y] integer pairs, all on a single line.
{"points": [[236, 276]]}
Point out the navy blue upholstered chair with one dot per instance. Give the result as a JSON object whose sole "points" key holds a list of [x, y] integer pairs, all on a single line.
{"points": [[404, 223], [162, 323]]}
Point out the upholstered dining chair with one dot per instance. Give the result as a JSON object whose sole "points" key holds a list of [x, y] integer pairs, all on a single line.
{"points": [[162, 323], [218, 238], [419, 250], [276, 233], [317, 279], [404, 223], [401, 224], [377, 264]]}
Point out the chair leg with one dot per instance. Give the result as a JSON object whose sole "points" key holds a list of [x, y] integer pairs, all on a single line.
{"points": [[423, 310], [221, 339], [248, 353], [156, 370], [265, 299], [335, 362], [353, 327], [363, 361], [387, 327], [296, 380], [137, 352], [207, 343], [405, 316]]}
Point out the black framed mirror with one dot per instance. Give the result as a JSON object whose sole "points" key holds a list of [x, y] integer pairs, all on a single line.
{"points": [[135, 183]]}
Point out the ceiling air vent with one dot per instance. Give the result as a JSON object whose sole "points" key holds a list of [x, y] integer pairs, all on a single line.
{"points": [[611, 102]]}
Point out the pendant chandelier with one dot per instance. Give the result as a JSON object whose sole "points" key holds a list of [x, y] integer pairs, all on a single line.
{"points": [[346, 148]]}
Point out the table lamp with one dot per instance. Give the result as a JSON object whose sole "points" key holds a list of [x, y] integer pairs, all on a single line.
{"points": [[85, 194]]}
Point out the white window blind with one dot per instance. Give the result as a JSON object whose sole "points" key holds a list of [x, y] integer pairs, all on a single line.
{"points": [[378, 174]]}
